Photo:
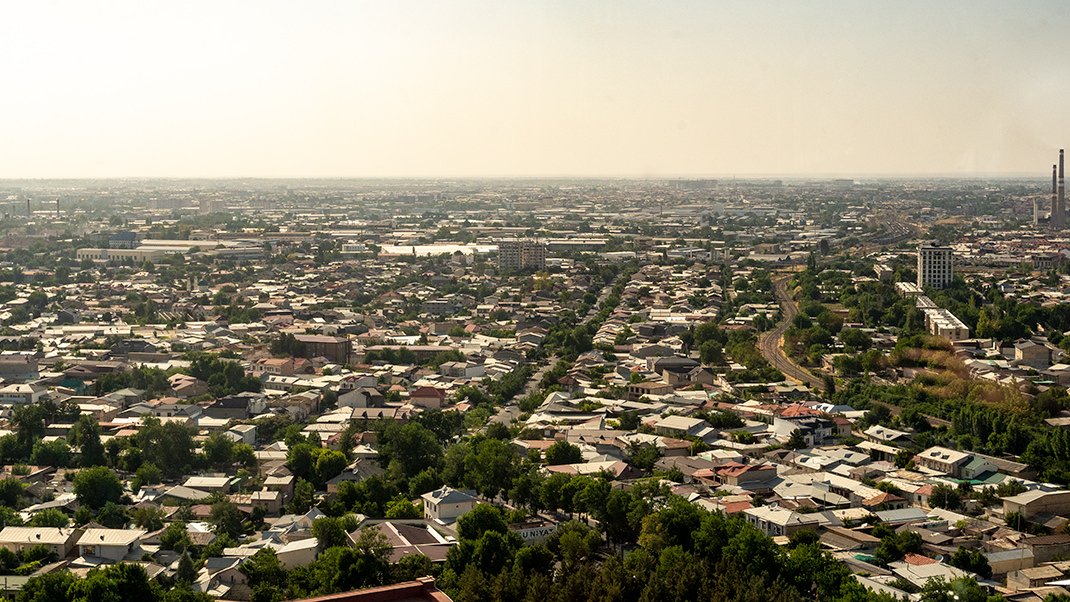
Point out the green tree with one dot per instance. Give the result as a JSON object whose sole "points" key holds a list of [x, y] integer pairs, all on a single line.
{"points": [[563, 452], [402, 509], [226, 518], [186, 573], [971, 560], [49, 517], [944, 496], [150, 518], [266, 576], [218, 449], [49, 587], [85, 435], [304, 497], [479, 520], [169, 446], [96, 486], [116, 582], [796, 440], [11, 491], [330, 532], [175, 537]]}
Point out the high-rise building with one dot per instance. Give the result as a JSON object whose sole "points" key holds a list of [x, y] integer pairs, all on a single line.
{"points": [[934, 266], [521, 254], [1057, 221]]}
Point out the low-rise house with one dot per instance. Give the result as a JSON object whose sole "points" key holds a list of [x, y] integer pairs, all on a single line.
{"points": [[883, 434], [639, 390], [243, 433], [840, 538], [1034, 502], [184, 385], [943, 460], [1032, 577], [734, 474], [175, 410], [109, 544], [1030, 353], [210, 484], [283, 484], [20, 539], [682, 426], [270, 501], [448, 504], [428, 397], [21, 394], [1005, 561], [298, 552], [362, 397], [18, 367], [241, 406], [775, 521], [1046, 547]]}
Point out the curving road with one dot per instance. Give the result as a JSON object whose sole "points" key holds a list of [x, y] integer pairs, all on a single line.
{"points": [[770, 342]]}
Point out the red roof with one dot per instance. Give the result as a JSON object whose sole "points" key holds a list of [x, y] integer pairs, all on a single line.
{"points": [[428, 392], [735, 507], [798, 410], [919, 560]]}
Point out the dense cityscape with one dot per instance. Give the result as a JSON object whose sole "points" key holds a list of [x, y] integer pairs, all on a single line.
{"points": [[826, 389]]}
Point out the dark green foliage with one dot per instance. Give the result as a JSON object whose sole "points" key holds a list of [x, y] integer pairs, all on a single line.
{"points": [[85, 435], [971, 560], [169, 446], [224, 377], [225, 518], [11, 491], [479, 520], [563, 452], [50, 587], [411, 448], [49, 517], [894, 546], [97, 486], [481, 463], [944, 496]]}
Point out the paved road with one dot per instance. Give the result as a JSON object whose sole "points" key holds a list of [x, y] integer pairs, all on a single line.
{"points": [[770, 342]]}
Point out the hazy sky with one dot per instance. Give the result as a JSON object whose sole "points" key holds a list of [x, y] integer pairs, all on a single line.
{"points": [[528, 87]]}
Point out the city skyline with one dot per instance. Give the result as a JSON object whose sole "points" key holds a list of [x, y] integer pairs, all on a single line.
{"points": [[546, 89]]}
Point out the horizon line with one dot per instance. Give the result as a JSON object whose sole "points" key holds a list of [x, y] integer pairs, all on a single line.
{"points": [[682, 177]]}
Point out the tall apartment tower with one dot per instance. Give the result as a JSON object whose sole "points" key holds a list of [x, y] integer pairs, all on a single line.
{"points": [[934, 266], [519, 254], [1057, 221], [1054, 195]]}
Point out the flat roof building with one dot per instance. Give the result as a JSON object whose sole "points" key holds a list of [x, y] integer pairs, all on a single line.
{"points": [[935, 266]]}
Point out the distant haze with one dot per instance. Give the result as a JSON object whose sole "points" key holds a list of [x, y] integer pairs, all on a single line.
{"points": [[647, 88]]}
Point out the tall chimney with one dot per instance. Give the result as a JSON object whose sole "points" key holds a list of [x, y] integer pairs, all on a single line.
{"points": [[28, 214]]}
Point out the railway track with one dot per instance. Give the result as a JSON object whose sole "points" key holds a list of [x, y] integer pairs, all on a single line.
{"points": [[770, 343]]}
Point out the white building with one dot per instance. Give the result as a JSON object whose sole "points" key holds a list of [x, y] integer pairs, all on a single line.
{"points": [[448, 504], [22, 394], [934, 266], [521, 254], [111, 544]]}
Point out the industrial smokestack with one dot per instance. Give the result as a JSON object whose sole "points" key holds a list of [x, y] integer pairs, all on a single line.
{"points": [[28, 214]]}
